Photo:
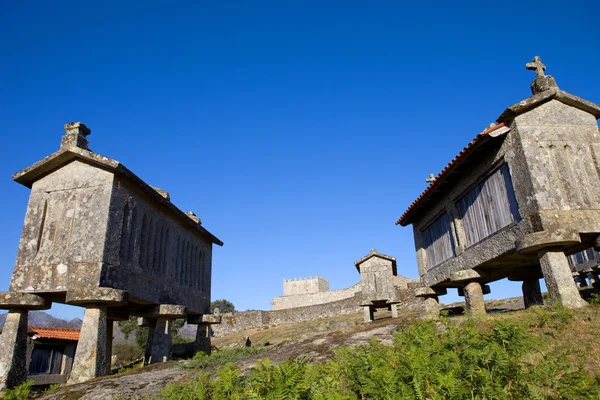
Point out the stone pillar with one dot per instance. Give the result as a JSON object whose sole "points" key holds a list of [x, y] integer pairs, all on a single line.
{"points": [[559, 281], [368, 313], [394, 309], [91, 358], [161, 340], [109, 344], [474, 302], [202, 342], [532, 294], [151, 323], [13, 349], [432, 307], [592, 279], [596, 277]]}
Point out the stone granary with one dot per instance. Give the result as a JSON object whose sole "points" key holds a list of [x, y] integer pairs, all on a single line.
{"points": [[97, 236], [377, 273], [515, 202]]}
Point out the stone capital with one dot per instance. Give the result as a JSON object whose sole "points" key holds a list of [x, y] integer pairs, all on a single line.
{"points": [[106, 296], [29, 301]]}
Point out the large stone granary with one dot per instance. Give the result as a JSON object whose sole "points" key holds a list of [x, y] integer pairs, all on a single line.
{"points": [[96, 235], [515, 202]]}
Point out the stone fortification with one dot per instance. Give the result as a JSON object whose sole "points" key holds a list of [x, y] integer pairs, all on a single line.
{"points": [[236, 322], [311, 299], [294, 287]]}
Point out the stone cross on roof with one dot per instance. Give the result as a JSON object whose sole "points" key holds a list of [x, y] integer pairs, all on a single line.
{"points": [[542, 82], [536, 65]]}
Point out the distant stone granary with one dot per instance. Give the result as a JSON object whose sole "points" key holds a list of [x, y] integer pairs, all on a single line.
{"points": [[380, 286], [514, 203], [95, 235], [377, 280]]}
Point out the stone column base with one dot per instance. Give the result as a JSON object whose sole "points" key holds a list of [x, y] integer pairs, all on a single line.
{"points": [[432, 307], [161, 340], [559, 281], [532, 294], [368, 313], [202, 342], [474, 302], [91, 358], [13, 349]]}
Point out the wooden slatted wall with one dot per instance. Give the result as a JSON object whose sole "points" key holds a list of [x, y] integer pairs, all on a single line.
{"points": [[488, 207]]}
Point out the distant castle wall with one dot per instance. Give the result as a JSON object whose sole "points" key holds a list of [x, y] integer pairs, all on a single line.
{"points": [[236, 322], [313, 298], [293, 287]]}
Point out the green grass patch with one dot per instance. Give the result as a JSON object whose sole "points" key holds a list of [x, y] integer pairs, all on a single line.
{"points": [[518, 356]]}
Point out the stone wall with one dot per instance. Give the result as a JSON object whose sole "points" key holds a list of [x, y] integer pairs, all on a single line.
{"points": [[292, 287], [232, 323], [311, 299]]}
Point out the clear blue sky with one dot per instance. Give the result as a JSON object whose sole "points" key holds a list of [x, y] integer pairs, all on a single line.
{"points": [[298, 131]]}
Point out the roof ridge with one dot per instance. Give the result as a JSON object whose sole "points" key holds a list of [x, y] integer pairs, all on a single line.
{"points": [[447, 168]]}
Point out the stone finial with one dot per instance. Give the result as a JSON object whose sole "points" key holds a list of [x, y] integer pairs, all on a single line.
{"points": [[542, 82], [76, 136]]}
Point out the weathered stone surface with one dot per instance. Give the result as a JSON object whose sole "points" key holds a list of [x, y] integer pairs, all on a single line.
{"points": [[13, 349], [165, 310], [204, 319], [91, 357], [368, 313], [428, 291], [202, 342], [105, 296], [475, 305], [550, 157], [161, 340], [532, 294], [559, 281], [432, 307], [466, 275], [28, 301]]}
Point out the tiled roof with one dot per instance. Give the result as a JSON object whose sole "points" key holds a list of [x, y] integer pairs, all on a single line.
{"points": [[43, 332], [403, 220]]}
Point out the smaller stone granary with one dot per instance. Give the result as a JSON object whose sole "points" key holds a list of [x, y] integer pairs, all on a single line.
{"points": [[514, 203], [377, 279], [51, 357], [96, 235]]}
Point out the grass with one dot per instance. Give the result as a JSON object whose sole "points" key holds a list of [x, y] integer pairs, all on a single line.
{"points": [[540, 353]]}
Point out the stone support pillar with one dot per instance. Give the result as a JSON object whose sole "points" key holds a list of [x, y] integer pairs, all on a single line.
{"points": [[559, 281], [202, 342], [109, 344], [592, 279], [151, 324], [91, 358], [474, 302], [368, 313], [532, 294], [13, 349], [161, 340], [596, 277], [432, 307], [394, 309]]}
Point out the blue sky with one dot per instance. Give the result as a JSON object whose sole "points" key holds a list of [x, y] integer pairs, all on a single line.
{"points": [[298, 131]]}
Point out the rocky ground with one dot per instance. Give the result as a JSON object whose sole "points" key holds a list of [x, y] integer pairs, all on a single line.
{"points": [[316, 340]]}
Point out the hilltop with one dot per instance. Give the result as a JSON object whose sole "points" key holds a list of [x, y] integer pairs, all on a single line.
{"points": [[565, 342]]}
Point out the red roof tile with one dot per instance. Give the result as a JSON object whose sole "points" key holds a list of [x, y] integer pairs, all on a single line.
{"points": [[403, 220], [43, 332]]}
